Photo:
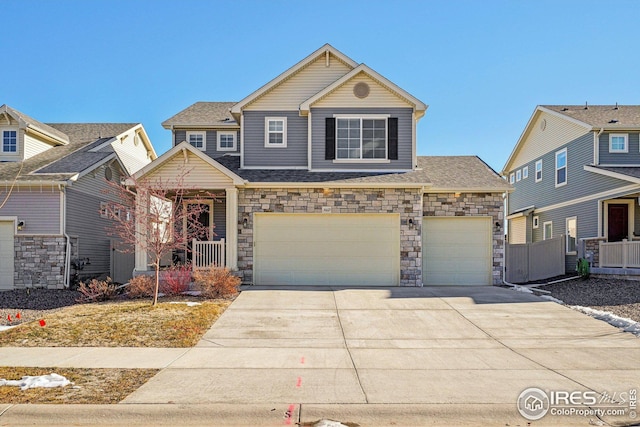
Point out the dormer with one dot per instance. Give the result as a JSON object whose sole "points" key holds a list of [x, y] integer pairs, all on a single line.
{"points": [[22, 137]]}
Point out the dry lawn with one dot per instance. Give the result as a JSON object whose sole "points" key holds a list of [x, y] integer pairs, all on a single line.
{"points": [[90, 386], [119, 324]]}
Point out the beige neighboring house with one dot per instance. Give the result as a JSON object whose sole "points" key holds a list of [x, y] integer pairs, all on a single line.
{"points": [[318, 182], [52, 178]]}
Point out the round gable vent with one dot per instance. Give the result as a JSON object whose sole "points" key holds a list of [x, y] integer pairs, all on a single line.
{"points": [[108, 173], [361, 90]]}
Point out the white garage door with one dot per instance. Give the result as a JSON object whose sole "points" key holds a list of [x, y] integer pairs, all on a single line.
{"points": [[457, 251], [6, 255], [327, 249]]}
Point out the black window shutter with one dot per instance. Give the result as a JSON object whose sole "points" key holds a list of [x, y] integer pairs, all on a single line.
{"points": [[330, 139], [392, 137]]}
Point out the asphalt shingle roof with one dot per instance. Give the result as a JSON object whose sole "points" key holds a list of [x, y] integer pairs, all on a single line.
{"points": [[203, 114], [601, 116], [442, 172], [633, 172], [61, 162]]}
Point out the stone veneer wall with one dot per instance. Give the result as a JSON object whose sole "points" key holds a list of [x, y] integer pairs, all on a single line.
{"points": [[39, 262], [473, 204], [592, 246], [406, 202]]}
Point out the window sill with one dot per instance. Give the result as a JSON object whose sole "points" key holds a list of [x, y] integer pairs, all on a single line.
{"points": [[365, 161], [571, 253], [275, 146], [226, 149]]}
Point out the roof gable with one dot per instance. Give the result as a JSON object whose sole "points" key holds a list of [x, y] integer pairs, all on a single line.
{"points": [[362, 73], [203, 171], [545, 131], [29, 123], [327, 52]]}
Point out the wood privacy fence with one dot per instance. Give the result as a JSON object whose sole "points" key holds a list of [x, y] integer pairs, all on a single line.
{"points": [[535, 261]]}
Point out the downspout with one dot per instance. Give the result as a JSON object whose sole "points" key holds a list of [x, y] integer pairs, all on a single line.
{"points": [[596, 146], [504, 260], [67, 255]]}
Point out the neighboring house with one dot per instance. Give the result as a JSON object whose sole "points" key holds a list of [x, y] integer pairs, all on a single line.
{"points": [[318, 182], [52, 178], [576, 173]]}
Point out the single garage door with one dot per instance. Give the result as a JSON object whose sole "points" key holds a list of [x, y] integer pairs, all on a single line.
{"points": [[457, 250], [327, 249], [6, 255]]}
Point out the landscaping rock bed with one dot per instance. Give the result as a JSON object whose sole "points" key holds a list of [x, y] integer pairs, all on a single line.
{"points": [[32, 304], [617, 296]]}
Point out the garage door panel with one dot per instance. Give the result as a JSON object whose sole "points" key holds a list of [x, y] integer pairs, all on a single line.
{"points": [[457, 250], [6, 254], [327, 249]]}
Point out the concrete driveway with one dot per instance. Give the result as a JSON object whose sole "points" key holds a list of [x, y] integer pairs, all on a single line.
{"points": [[361, 355]]}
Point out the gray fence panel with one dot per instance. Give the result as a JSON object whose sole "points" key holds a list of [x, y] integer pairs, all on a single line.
{"points": [[535, 261]]}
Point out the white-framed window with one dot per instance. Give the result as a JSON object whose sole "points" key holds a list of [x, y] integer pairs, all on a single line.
{"points": [[512, 178], [539, 170], [536, 222], [618, 143], [198, 139], [561, 167], [104, 210], [226, 141], [518, 175], [275, 132], [525, 172], [9, 141], [361, 138], [572, 233], [547, 230]]}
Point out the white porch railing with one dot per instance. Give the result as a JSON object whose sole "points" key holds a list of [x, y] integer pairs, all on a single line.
{"points": [[620, 254], [208, 254]]}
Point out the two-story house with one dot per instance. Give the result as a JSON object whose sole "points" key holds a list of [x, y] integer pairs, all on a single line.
{"points": [[317, 181], [576, 173], [52, 203]]}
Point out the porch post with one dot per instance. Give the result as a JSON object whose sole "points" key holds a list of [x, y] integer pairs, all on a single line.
{"points": [[142, 208], [232, 228]]}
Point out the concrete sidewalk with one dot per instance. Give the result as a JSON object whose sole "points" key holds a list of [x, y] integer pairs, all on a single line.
{"points": [[365, 356]]}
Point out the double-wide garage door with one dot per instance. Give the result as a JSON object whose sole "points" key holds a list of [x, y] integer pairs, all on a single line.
{"points": [[457, 251], [327, 249]]}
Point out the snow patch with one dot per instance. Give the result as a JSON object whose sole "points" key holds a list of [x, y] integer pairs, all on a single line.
{"points": [[48, 381], [4, 328], [329, 423], [627, 325], [550, 298], [189, 303], [524, 289]]}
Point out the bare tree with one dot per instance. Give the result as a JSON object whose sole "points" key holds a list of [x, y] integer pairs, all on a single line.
{"points": [[166, 217]]}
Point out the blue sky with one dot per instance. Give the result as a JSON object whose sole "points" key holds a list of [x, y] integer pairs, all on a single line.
{"points": [[481, 65]]}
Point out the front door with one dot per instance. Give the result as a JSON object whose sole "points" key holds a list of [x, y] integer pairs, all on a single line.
{"points": [[618, 227]]}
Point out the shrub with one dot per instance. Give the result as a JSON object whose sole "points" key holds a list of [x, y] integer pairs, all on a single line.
{"points": [[96, 290], [583, 268], [176, 279], [216, 282], [140, 286]]}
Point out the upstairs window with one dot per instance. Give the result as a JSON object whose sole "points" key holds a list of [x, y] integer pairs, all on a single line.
{"points": [[518, 175], [275, 132], [226, 141], [525, 172], [198, 140], [10, 141], [561, 167], [361, 138], [618, 143], [512, 178], [539, 170]]}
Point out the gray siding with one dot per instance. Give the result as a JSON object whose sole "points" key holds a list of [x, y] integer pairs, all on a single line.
{"points": [[220, 218], [632, 157], [84, 221], [38, 207], [405, 140], [256, 154], [211, 140], [580, 183]]}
